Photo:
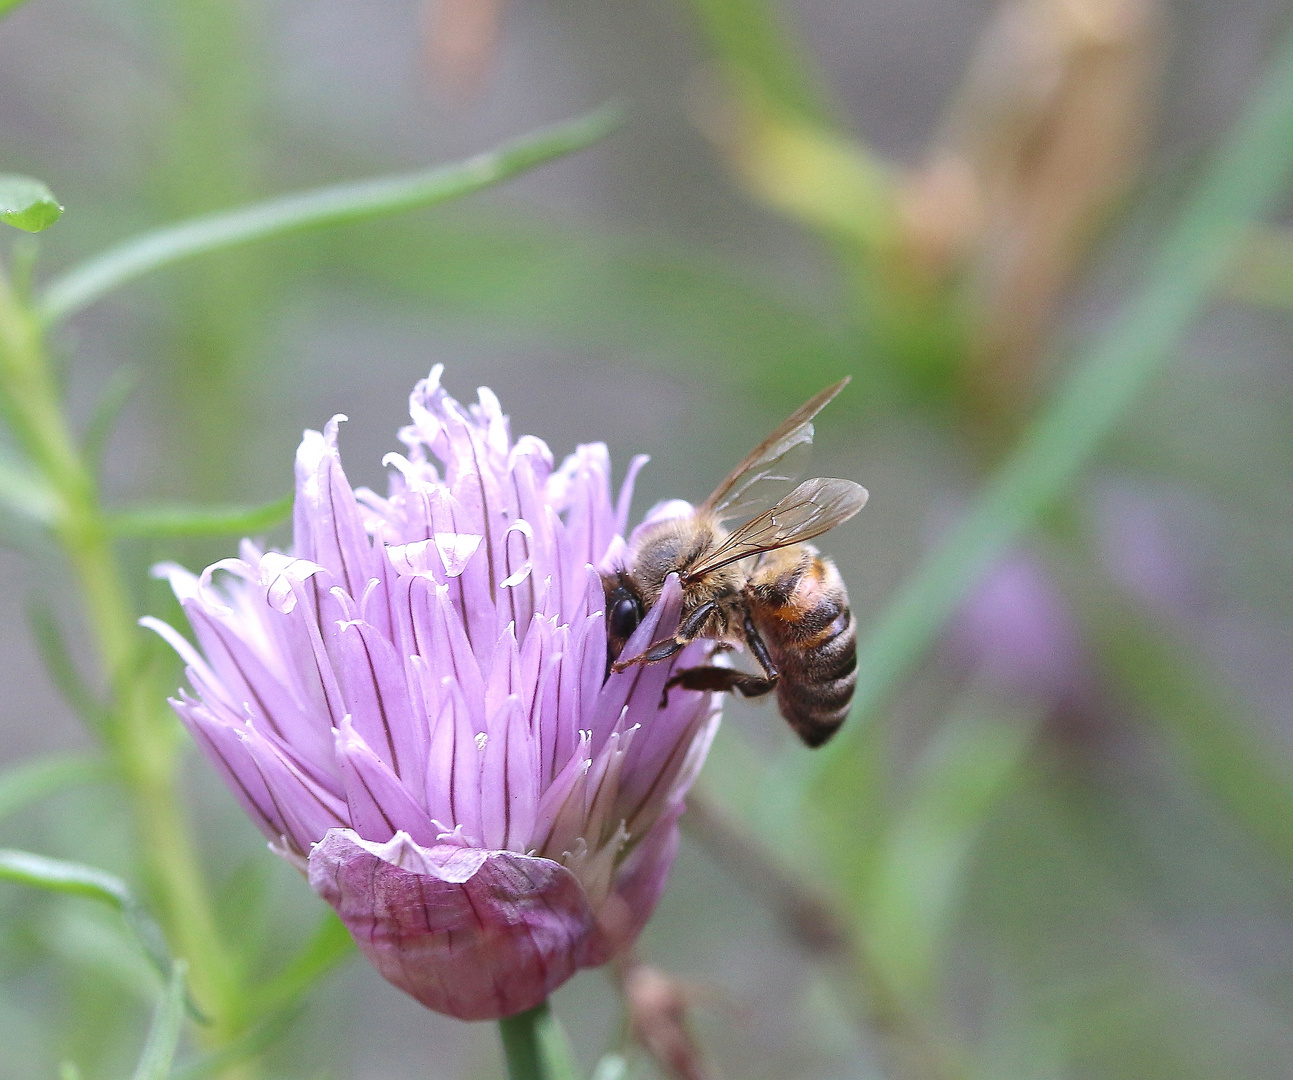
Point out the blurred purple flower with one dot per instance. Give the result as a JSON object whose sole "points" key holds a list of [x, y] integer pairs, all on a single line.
{"points": [[414, 708], [1017, 633]]}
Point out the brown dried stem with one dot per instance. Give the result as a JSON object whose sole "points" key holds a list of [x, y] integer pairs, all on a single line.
{"points": [[657, 1006]]}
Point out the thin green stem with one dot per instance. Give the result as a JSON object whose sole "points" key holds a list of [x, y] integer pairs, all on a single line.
{"points": [[759, 48], [313, 209], [535, 1047], [140, 736]]}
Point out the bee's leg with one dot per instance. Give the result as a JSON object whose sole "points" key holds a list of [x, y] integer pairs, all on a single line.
{"points": [[729, 680], [660, 650], [760, 650], [671, 646], [722, 679]]}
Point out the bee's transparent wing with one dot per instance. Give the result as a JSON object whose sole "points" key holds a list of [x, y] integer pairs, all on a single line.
{"points": [[770, 465], [814, 507]]}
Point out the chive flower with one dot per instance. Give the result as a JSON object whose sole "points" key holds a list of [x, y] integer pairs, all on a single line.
{"points": [[414, 707]]}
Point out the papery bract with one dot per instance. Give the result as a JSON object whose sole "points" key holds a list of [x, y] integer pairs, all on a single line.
{"points": [[414, 707]]}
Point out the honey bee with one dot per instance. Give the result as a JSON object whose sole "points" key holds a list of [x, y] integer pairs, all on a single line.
{"points": [[761, 585]]}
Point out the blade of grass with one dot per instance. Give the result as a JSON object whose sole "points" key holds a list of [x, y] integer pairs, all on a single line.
{"points": [[112, 399], [920, 874], [164, 1031], [169, 521], [1246, 176], [753, 41], [24, 491], [62, 669], [246, 1046], [1220, 740], [33, 780], [77, 879], [314, 209]]}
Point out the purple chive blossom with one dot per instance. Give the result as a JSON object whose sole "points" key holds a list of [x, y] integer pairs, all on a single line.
{"points": [[413, 707], [1016, 633]]}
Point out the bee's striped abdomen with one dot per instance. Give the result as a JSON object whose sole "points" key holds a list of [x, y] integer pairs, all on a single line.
{"points": [[804, 618]]}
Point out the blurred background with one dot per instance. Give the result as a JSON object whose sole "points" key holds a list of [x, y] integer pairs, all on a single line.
{"points": [[1066, 847]]}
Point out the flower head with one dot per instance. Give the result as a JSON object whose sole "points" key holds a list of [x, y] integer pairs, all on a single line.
{"points": [[414, 707]]}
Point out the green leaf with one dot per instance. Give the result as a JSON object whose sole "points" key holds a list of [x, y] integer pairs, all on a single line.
{"points": [[68, 1071], [167, 521], [25, 203], [32, 780], [76, 879], [829, 182], [62, 669], [7, 6], [164, 1031], [1245, 178], [314, 209]]}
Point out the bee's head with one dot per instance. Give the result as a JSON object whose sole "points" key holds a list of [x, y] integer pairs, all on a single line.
{"points": [[624, 611]]}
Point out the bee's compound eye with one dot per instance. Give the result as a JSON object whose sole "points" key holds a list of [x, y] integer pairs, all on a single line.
{"points": [[625, 615]]}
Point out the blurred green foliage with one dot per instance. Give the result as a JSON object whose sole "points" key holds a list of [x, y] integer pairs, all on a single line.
{"points": [[27, 204]]}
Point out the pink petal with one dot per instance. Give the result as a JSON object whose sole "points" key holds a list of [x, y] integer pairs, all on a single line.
{"points": [[221, 744], [638, 887], [626, 493], [378, 701], [380, 805]]}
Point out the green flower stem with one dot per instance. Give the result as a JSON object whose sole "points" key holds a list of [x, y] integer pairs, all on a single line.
{"points": [[535, 1046], [141, 736]]}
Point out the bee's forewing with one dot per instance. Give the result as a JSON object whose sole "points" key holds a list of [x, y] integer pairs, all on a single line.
{"points": [[775, 461], [813, 508]]}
